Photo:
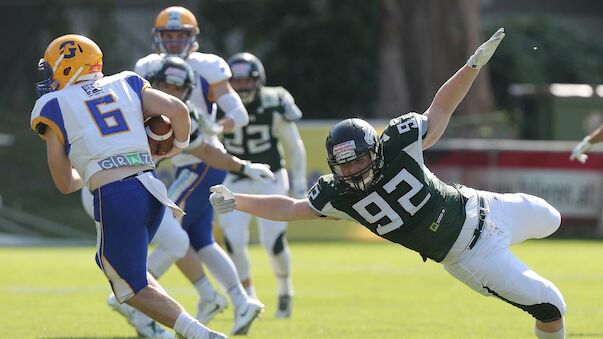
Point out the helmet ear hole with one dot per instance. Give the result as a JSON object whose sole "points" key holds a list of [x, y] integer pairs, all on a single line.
{"points": [[66, 71]]}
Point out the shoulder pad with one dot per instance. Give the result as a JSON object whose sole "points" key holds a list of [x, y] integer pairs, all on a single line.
{"points": [[210, 66], [281, 98], [325, 190], [403, 131], [147, 65]]}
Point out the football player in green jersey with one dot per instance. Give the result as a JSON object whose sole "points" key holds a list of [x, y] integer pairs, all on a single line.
{"points": [[383, 184], [272, 115], [585, 145]]}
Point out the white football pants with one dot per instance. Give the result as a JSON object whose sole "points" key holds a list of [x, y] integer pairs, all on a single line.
{"points": [[235, 226], [490, 268]]}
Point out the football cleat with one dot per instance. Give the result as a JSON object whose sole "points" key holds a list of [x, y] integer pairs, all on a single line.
{"points": [[208, 309], [284, 306], [145, 326], [245, 315]]}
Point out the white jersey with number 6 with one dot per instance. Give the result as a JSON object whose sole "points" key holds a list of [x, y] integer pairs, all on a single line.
{"points": [[99, 131]]}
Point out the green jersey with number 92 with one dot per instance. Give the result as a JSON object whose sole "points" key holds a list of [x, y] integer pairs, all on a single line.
{"points": [[408, 204]]}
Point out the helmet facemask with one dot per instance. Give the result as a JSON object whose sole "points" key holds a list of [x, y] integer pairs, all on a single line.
{"points": [[246, 66], [48, 83], [350, 141], [184, 46]]}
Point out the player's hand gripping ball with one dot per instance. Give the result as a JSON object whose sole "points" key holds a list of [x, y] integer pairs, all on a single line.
{"points": [[160, 134]]}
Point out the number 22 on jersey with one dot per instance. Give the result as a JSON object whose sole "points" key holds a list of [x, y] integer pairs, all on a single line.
{"points": [[385, 209], [109, 122]]}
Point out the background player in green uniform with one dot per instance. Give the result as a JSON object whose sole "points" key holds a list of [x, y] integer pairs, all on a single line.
{"points": [[384, 184], [272, 115]]}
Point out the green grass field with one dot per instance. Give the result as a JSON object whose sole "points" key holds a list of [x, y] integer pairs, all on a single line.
{"points": [[343, 290]]}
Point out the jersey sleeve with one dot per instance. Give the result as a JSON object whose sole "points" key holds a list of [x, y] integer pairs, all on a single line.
{"points": [[405, 133], [320, 196], [291, 111], [211, 67], [136, 83], [47, 114]]}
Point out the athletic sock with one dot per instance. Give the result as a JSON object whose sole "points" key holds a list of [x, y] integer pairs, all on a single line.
{"points": [[250, 290], [224, 271], [205, 289], [546, 335], [189, 327]]}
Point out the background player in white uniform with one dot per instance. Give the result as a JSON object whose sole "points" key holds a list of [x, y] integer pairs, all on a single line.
{"points": [[94, 132], [174, 76], [585, 145], [175, 33], [272, 115], [384, 184]]}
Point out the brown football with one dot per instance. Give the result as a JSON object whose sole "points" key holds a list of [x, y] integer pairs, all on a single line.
{"points": [[160, 134]]}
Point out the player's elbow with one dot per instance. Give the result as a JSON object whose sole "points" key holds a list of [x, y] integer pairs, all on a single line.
{"points": [[64, 188]]}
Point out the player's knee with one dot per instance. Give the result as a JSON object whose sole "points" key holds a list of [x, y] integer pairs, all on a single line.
{"points": [[276, 244], [548, 217], [551, 310], [177, 244], [234, 245]]}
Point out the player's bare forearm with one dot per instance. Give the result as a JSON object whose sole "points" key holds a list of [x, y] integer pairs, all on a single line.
{"points": [[64, 176], [155, 103], [446, 100], [214, 157], [274, 207], [597, 135]]}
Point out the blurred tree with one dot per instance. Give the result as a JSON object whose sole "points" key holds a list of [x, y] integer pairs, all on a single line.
{"points": [[28, 30], [322, 51], [421, 44], [542, 50]]}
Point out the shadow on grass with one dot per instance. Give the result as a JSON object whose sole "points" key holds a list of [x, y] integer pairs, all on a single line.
{"points": [[76, 337], [585, 335]]}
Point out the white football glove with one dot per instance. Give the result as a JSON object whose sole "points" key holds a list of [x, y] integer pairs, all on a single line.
{"points": [[298, 190], [484, 52], [580, 149], [205, 124], [260, 172], [222, 199]]}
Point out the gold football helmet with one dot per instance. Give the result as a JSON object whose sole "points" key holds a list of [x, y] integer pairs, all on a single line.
{"points": [[174, 21], [69, 59]]}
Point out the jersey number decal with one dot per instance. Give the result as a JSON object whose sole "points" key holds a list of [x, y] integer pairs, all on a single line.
{"points": [[110, 122], [384, 209], [258, 140]]}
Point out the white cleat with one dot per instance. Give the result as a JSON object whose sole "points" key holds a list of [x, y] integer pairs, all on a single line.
{"points": [[208, 309], [143, 324], [245, 315], [285, 302]]}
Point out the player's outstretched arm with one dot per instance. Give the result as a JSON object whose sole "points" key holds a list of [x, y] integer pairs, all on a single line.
{"points": [[578, 153], [66, 179], [450, 95], [216, 158], [273, 207]]}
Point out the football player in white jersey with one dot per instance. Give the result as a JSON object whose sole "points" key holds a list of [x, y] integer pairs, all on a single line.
{"points": [[384, 184], [272, 117], [95, 137], [175, 33], [174, 76]]}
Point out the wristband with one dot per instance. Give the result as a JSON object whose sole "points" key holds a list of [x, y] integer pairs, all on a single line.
{"points": [[243, 166], [182, 144]]}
